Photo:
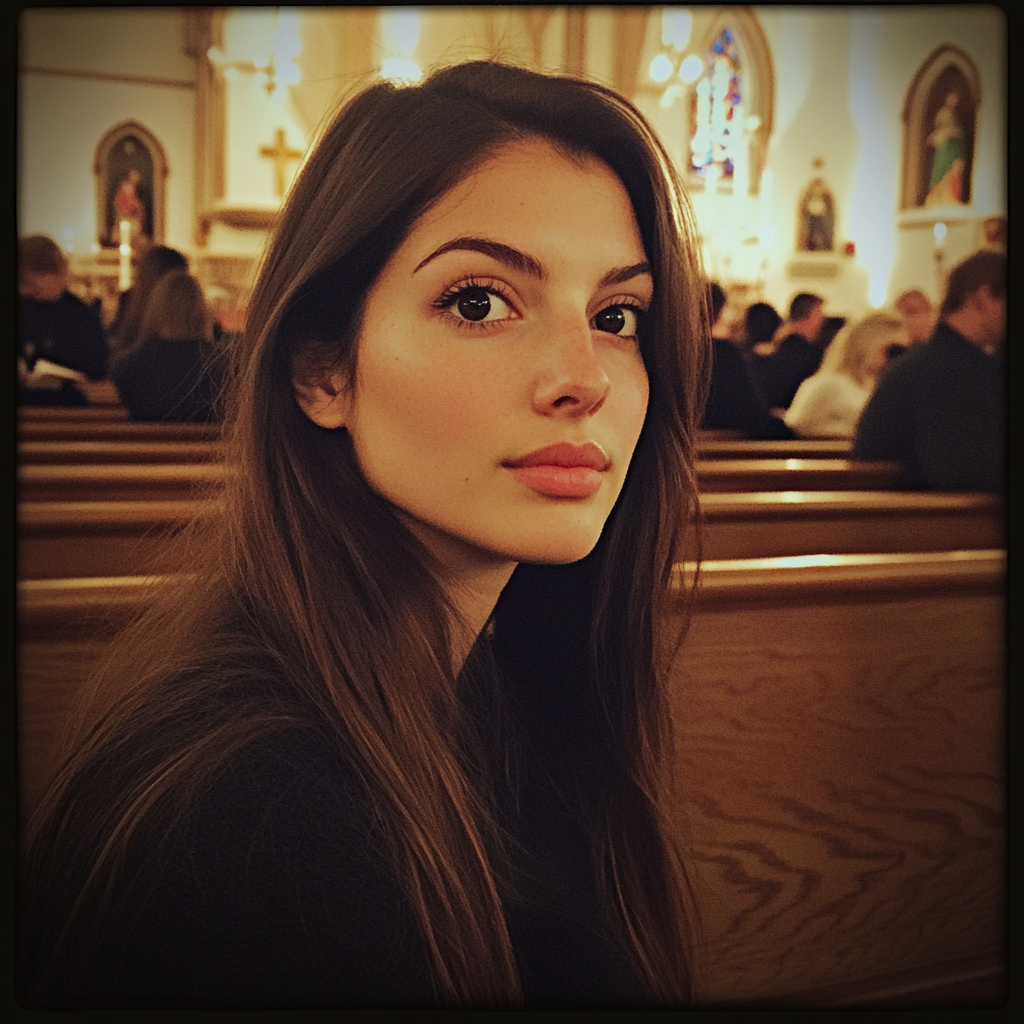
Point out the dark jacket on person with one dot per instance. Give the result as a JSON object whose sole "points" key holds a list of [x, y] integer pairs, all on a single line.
{"points": [[67, 332], [781, 373], [273, 887], [170, 381], [735, 401], [939, 411]]}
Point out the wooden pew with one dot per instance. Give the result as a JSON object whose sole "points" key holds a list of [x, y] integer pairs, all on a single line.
{"points": [[786, 523], [738, 448], [838, 778], [839, 782], [120, 482], [85, 430], [78, 452], [159, 481], [67, 539], [114, 538], [73, 414], [82, 453], [795, 474]]}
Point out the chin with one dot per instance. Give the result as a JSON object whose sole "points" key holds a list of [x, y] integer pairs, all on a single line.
{"points": [[554, 550]]}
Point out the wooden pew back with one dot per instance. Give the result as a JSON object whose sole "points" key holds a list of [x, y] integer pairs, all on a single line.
{"points": [[839, 778], [155, 481], [75, 539], [837, 786]]}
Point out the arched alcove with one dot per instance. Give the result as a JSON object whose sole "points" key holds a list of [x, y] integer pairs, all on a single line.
{"points": [[130, 168], [940, 115]]}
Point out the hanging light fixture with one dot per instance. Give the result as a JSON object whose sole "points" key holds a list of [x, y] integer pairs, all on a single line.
{"points": [[274, 66], [673, 67]]}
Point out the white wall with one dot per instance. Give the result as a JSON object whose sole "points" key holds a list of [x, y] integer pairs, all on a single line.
{"points": [[79, 78]]}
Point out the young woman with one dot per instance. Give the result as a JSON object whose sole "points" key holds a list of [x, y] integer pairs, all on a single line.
{"points": [[399, 741], [173, 374], [829, 402]]}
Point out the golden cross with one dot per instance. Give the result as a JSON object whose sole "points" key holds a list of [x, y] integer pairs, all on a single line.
{"points": [[280, 154]]}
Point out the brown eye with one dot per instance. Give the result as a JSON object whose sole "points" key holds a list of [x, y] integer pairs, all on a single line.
{"points": [[622, 320], [474, 304]]}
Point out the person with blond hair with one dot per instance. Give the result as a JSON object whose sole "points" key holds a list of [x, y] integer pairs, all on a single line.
{"points": [[174, 372], [829, 402]]}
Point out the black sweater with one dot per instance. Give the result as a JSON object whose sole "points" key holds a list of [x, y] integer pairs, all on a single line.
{"points": [[274, 890]]}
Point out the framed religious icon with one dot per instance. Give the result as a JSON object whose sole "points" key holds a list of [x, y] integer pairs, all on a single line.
{"points": [[130, 169], [940, 117]]}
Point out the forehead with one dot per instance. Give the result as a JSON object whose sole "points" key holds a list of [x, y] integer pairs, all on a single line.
{"points": [[532, 192]]}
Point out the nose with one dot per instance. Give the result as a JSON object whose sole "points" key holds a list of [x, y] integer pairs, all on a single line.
{"points": [[571, 381]]}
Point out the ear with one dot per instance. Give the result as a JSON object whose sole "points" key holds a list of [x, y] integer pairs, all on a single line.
{"points": [[327, 401]]}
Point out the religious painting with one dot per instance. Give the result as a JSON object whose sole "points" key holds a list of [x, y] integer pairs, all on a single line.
{"points": [[129, 169], [816, 220], [940, 117], [949, 144]]}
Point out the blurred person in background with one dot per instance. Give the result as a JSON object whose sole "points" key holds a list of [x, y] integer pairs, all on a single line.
{"points": [[54, 326], [939, 410], [174, 373], [124, 332], [829, 402], [734, 400]]}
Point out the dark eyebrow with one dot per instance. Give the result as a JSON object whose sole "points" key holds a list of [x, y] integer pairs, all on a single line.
{"points": [[496, 250], [526, 264], [624, 274]]}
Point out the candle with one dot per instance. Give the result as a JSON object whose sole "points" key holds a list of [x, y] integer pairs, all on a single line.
{"points": [[124, 280]]}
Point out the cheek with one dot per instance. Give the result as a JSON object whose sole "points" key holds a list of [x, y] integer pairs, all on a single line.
{"points": [[425, 404]]}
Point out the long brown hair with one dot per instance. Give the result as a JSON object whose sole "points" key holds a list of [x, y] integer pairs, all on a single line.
{"points": [[315, 567]]}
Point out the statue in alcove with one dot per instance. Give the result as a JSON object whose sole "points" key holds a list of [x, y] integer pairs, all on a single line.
{"points": [[949, 157], [817, 219]]}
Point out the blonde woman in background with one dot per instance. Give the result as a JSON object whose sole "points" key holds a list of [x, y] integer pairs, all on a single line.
{"points": [[828, 403]]}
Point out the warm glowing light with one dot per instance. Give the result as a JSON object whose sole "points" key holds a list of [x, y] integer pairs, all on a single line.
{"points": [[400, 70], [676, 23], [691, 69], [661, 68], [401, 30]]}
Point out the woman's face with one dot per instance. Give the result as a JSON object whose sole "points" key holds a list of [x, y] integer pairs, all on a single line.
{"points": [[499, 390]]}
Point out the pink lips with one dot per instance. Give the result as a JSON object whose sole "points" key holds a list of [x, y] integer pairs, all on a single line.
{"points": [[561, 470]]}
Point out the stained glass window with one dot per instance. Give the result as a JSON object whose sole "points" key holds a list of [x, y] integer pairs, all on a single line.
{"points": [[716, 127]]}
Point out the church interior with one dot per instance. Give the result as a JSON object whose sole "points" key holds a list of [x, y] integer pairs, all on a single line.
{"points": [[839, 778]]}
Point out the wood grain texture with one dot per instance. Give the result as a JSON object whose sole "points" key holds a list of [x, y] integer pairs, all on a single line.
{"points": [[82, 453], [838, 786], [839, 789]]}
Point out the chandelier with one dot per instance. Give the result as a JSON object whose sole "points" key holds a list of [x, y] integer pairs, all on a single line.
{"points": [[268, 48], [673, 66]]}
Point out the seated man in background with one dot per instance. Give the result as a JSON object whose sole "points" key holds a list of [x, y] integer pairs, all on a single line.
{"points": [[53, 324], [916, 309], [938, 410], [797, 356], [734, 401]]}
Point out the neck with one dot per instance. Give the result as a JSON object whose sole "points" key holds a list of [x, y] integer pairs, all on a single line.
{"points": [[474, 596], [473, 580]]}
